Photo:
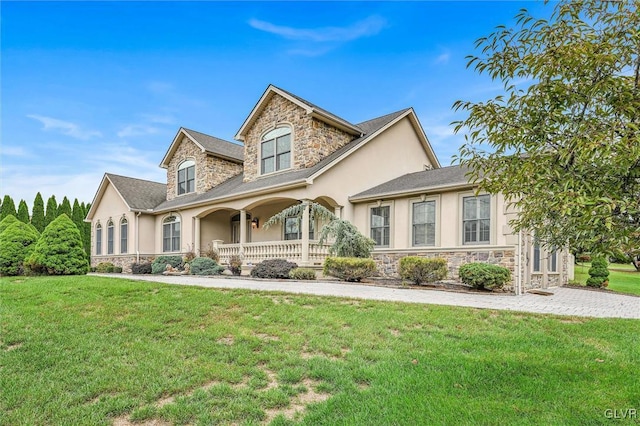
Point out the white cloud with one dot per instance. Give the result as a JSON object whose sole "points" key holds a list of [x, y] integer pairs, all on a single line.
{"points": [[443, 58], [367, 27], [15, 151], [137, 130], [159, 87], [65, 127]]}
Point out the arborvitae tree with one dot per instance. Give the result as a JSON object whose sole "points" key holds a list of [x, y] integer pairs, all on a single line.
{"points": [[86, 233], [8, 207], [17, 242], [64, 207], [59, 250], [37, 215], [23, 212], [77, 216], [52, 210], [9, 220]]}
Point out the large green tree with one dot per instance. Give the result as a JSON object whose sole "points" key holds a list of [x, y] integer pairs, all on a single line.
{"points": [[65, 207], [562, 143], [23, 212], [37, 215], [8, 207], [52, 210]]}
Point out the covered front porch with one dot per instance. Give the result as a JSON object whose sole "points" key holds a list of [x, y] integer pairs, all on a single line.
{"points": [[242, 233]]}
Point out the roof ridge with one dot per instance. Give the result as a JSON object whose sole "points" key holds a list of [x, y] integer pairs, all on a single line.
{"points": [[211, 136], [383, 116], [134, 178]]}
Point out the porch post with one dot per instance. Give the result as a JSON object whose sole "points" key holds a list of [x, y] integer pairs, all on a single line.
{"points": [[243, 230], [196, 231], [305, 233], [338, 212]]}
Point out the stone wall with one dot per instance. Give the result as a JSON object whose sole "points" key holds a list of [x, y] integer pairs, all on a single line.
{"points": [[210, 170], [387, 262], [312, 139], [122, 260]]}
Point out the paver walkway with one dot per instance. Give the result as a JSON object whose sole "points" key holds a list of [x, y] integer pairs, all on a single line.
{"points": [[564, 301]]}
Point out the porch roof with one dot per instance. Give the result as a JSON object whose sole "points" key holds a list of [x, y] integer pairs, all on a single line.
{"points": [[424, 181]]}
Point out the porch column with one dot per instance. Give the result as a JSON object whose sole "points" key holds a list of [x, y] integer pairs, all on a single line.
{"points": [[243, 230], [305, 233], [338, 212], [196, 238]]}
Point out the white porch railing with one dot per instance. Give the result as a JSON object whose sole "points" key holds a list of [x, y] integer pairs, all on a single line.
{"points": [[257, 252]]}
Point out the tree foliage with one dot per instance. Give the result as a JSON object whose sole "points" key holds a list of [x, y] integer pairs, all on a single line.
{"points": [[23, 212], [59, 250], [564, 146], [316, 211], [37, 215], [17, 242], [9, 220], [8, 207], [64, 207], [52, 210]]}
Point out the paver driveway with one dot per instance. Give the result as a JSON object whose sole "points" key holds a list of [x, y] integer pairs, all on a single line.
{"points": [[564, 301]]}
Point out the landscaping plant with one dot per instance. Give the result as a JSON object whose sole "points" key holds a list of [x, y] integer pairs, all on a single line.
{"points": [[349, 268], [159, 265], [141, 268], [421, 270], [484, 275], [302, 274], [598, 273], [17, 242], [273, 268], [235, 264], [205, 266]]}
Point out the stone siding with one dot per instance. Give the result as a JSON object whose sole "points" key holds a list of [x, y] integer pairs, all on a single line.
{"points": [[312, 139], [122, 260], [388, 262], [210, 170]]}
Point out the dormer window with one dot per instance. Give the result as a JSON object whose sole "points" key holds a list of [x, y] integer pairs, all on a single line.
{"points": [[275, 150], [186, 177]]}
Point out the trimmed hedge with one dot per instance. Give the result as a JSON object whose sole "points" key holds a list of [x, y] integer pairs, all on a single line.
{"points": [[205, 266], [104, 267], [141, 268], [17, 242], [302, 274], [159, 265], [423, 269], [273, 268], [484, 275], [598, 273], [349, 268]]}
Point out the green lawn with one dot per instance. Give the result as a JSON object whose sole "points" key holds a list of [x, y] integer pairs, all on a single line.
{"points": [[94, 351], [622, 278]]}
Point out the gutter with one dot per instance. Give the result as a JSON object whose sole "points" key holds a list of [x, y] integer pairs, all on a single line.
{"points": [[417, 191]]}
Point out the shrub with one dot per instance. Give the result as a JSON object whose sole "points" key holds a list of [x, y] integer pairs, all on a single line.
{"points": [[141, 268], [423, 269], [9, 220], [302, 274], [235, 264], [349, 268], [205, 266], [117, 269], [211, 253], [273, 268], [188, 256], [159, 265], [104, 267], [59, 250], [17, 242], [598, 273], [349, 242], [484, 275]]}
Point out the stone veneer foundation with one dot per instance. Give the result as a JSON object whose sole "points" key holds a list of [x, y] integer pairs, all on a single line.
{"points": [[312, 139], [122, 260], [210, 170]]}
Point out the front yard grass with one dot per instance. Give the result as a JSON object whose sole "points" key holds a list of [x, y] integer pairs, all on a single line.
{"points": [[99, 351], [622, 278]]}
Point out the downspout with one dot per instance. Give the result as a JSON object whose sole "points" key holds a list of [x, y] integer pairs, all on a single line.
{"points": [[138, 238]]}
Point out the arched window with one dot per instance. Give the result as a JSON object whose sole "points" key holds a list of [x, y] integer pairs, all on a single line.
{"points": [[98, 239], [171, 234], [124, 235], [110, 237], [275, 150], [186, 177]]}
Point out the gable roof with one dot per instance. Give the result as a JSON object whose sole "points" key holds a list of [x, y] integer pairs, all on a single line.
{"points": [[417, 183], [311, 109], [137, 194], [211, 145]]}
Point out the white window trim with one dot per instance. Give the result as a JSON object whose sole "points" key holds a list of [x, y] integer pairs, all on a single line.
{"points": [[195, 175], [391, 206], [545, 259], [413, 201], [98, 243], [113, 237], [126, 235], [179, 217], [291, 150], [493, 218]]}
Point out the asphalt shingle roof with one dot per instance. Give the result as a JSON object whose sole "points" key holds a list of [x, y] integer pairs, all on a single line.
{"points": [[418, 181], [137, 193], [218, 146]]}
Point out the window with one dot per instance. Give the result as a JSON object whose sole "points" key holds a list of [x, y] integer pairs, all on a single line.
{"points": [[536, 256], [380, 225], [424, 223], [293, 228], [110, 237], [552, 262], [275, 150], [552, 259], [124, 234], [186, 177], [171, 234], [476, 222], [98, 239]]}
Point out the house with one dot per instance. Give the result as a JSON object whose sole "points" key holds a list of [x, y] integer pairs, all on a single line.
{"points": [[381, 174]]}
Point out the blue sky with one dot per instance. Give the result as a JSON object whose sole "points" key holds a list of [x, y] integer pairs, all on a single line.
{"points": [[95, 87]]}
